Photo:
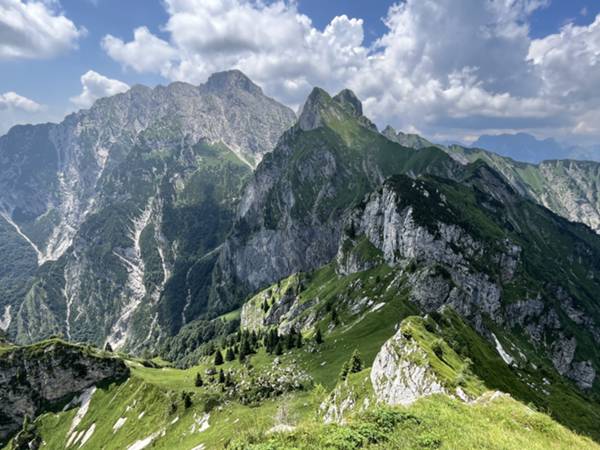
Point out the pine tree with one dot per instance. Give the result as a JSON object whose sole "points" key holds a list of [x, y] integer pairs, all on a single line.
{"points": [[108, 347], [218, 358], [221, 376], [198, 382], [299, 340], [334, 316], [290, 340], [245, 347], [344, 372], [356, 364], [318, 336], [278, 348], [187, 399], [229, 354]]}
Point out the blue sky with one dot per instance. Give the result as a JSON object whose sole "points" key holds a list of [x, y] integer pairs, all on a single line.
{"points": [[420, 65]]}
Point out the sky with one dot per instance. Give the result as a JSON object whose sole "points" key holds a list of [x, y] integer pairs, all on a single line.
{"points": [[447, 69]]}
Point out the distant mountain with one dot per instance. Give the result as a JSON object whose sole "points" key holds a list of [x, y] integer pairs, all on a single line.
{"points": [[527, 148], [107, 213], [523, 147]]}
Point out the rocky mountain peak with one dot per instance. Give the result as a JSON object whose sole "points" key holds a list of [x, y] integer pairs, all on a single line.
{"points": [[321, 107], [311, 115], [231, 80], [389, 131], [350, 102]]}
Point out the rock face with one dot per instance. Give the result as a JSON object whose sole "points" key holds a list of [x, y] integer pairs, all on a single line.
{"points": [[412, 225], [114, 197], [441, 252], [34, 379], [567, 187], [280, 306], [571, 190], [401, 374]]}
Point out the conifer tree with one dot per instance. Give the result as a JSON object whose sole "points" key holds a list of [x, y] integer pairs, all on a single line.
{"points": [[218, 358], [290, 340], [344, 372], [318, 336], [334, 316], [229, 354], [198, 382], [278, 348], [356, 364]]}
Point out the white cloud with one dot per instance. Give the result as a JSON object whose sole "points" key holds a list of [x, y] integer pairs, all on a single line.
{"points": [[14, 101], [35, 29], [273, 44], [146, 53], [96, 86], [15, 108], [446, 67]]}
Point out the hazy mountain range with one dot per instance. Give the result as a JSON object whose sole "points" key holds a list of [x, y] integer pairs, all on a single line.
{"points": [[527, 148]]}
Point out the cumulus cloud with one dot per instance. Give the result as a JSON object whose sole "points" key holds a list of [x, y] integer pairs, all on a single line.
{"points": [[569, 65], [14, 101], [15, 108], [35, 29], [146, 53], [443, 67], [96, 86]]}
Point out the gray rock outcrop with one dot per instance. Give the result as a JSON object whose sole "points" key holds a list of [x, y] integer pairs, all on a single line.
{"points": [[36, 378]]}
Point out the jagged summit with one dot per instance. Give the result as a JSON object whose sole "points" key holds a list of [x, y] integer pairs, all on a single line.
{"points": [[320, 107], [350, 101], [231, 79], [311, 117]]}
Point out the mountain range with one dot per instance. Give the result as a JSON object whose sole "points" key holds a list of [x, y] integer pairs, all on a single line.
{"points": [[527, 148], [261, 280]]}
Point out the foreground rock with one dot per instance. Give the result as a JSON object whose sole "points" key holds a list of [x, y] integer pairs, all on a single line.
{"points": [[401, 373], [37, 378]]}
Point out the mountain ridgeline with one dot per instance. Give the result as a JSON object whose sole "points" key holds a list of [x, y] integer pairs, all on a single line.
{"points": [[266, 253]]}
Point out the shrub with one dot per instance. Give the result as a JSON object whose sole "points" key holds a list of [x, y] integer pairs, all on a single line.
{"points": [[438, 348]]}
